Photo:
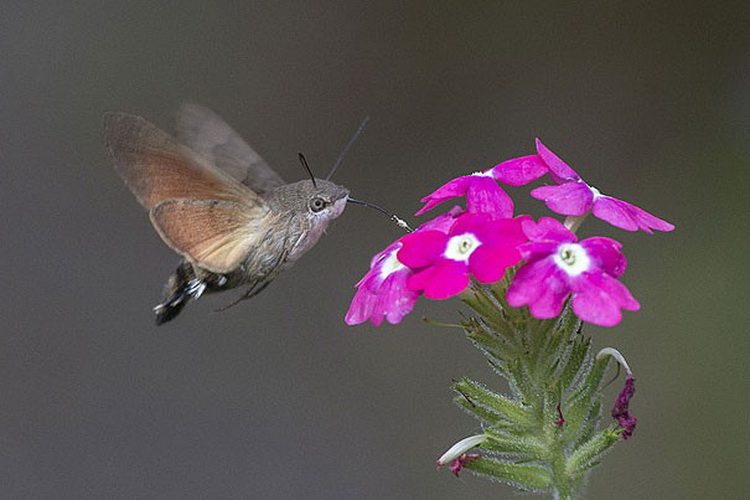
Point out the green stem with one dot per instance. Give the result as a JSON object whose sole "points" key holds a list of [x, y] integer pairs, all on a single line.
{"points": [[542, 436]]}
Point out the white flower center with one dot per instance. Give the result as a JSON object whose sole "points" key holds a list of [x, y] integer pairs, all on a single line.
{"points": [[595, 192], [390, 265], [461, 247], [572, 258], [486, 173]]}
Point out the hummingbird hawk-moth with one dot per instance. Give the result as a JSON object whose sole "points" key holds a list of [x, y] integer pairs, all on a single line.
{"points": [[218, 204]]}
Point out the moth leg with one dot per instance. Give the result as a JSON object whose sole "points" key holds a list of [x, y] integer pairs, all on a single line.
{"points": [[260, 284], [251, 292]]}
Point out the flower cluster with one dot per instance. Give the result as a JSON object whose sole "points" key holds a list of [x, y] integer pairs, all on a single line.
{"points": [[483, 240]]}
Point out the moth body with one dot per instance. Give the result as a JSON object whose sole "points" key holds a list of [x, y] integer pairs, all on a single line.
{"points": [[214, 201]]}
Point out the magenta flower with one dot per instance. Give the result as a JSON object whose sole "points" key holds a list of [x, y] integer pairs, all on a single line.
{"points": [[573, 196], [382, 292], [476, 243], [621, 409], [483, 195], [519, 171], [558, 266]]}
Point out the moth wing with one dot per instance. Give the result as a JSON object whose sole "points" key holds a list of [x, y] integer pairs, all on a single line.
{"points": [[157, 168], [208, 135], [213, 234]]}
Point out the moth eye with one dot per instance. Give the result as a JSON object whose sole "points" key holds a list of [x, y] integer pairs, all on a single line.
{"points": [[317, 204]]}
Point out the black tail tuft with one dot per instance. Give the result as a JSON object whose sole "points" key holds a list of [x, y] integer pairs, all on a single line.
{"points": [[176, 294], [167, 312]]}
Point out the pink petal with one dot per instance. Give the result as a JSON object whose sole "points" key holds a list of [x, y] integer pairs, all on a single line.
{"points": [[606, 255], [422, 248], [570, 198], [440, 281], [395, 300], [361, 308], [484, 195], [392, 301], [442, 222], [628, 217], [488, 263], [380, 256], [504, 232], [469, 222], [520, 171], [559, 170], [535, 250], [452, 189], [598, 298], [547, 228], [540, 286]]}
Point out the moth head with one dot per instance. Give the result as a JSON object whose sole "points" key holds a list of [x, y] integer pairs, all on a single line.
{"points": [[322, 201], [326, 199]]}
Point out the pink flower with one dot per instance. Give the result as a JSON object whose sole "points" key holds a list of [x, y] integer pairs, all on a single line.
{"points": [[573, 196], [558, 266], [476, 243], [483, 195], [382, 292]]}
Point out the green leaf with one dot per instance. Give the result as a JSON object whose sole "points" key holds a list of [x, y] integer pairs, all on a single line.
{"points": [[521, 381], [501, 406], [589, 453], [483, 414], [575, 360], [528, 447], [587, 428], [581, 400], [487, 341], [528, 477]]}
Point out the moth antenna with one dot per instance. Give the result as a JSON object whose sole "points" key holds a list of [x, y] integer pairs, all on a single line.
{"points": [[395, 218], [304, 163], [346, 148]]}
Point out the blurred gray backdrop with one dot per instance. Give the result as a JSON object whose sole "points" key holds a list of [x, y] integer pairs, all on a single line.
{"points": [[277, 398]]}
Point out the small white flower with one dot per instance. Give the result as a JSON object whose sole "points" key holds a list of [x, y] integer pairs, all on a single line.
{"points": [[460, 448]]}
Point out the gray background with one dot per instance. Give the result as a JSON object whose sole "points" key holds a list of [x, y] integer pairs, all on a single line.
{"points": [[277, 397]]}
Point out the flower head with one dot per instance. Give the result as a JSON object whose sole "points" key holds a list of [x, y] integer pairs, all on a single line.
{"points": [[382, 292], [483, 195], [573, 196], [557, 266], [476, 243]]}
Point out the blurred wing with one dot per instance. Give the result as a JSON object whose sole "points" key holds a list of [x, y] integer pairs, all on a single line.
{"points": [[214, 234], [156, 168], [207, 134]]}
